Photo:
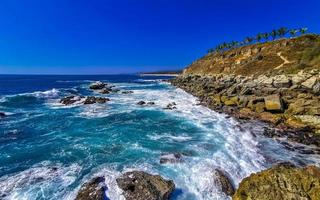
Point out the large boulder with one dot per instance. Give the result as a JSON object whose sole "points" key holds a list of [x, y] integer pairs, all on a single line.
{"points": [[281, 81], [97, 85], [222, 180], [283, 181], [273, 103], [138, 185], [93, 190]]}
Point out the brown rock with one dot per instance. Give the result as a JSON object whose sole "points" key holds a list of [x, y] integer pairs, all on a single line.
{"points": [[274, 103], [93, 190]]}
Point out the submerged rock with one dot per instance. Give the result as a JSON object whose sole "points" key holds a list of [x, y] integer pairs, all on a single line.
{"points": [[92, 100], [150, 103], [138, 185], [97, 85], [223, 181], [85, 100], [127, 92], [171, 158], [282, 181], [171, 106], [93, 190]]}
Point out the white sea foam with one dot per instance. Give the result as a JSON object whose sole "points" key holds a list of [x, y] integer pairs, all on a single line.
{"points": [[40, 181]]}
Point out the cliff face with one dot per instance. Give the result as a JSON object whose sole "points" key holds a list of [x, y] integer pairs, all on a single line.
{"points": [[277, 82], [283, 55]]}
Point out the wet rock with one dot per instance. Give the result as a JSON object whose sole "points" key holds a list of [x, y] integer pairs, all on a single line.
{"points": [[127, 92], [93, 190], [171, 106], [138, 185], [150, 103], [97, 85], [70, 100], [171, 158], [105, 91], [223, 181], [92, 100], [282, 181], [141, 103]]}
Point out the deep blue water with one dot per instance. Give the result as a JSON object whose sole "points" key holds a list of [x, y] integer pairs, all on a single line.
{"points": [[48, 150]]}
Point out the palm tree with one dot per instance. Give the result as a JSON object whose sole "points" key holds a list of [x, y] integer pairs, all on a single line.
{"points": [[248, 40], [282, 31], [259, 37], [293, 32], [303, 30], [265, 36], [274, 34]]}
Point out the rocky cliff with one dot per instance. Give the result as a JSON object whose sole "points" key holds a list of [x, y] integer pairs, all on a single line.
{"points": [[277, 82]]}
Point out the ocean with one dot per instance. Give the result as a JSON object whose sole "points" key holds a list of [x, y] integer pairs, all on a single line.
{"points": [[48, 150]]}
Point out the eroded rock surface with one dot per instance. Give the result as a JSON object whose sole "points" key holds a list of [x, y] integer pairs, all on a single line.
{"points": [[93, 190], [283, 181], [138, 185]]}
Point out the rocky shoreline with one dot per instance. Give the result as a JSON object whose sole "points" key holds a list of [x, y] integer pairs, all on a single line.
{"points": [[290, 103]]}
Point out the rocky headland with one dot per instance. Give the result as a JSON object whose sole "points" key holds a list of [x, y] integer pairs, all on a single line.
{"points": [[257, 82]]}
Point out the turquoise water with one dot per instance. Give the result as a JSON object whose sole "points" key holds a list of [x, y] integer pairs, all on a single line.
{"points": [[48, 150]]}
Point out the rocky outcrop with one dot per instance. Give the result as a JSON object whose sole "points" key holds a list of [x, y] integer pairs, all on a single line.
{"points": [[170, 158], [97, 85], [283, 181], [69, 100], [138, 185], [93, 190], [223, 181], [285, 101]]}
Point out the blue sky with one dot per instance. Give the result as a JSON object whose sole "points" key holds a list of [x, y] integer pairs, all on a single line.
{"points": [[125, 36]]}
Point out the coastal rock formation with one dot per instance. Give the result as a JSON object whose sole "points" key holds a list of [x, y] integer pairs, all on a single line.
{"points": [[93, 190], [138, 185], [283, 181], [171, 158], [284, 94], [69, 100], [223, 181], [97, 85]]}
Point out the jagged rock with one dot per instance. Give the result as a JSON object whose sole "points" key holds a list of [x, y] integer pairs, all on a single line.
{"points": [[70, 100], [105, 91], [274, 103], [171, 106], [222, 180], [138, 185], [93, 190], [281, 81], [283, 181], [92, 100], [316, 88], [171, 158], [310, 82], [97, 85]]}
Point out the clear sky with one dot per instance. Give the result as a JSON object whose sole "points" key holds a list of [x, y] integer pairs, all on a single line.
{"points": [[125, 36]]}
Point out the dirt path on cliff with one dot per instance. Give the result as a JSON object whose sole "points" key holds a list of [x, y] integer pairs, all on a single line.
{"points": [[285, 60]]}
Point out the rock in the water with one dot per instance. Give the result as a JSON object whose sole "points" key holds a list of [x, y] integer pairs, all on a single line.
{"points": [[273, 103], [2, 114], [70, 100], [171, 158], [97, 85], [92, 100], [171, 106], [138, 185], [93, 190], [141, 103], [223, 181], [127, 92], [150, 103], [283, 181]]}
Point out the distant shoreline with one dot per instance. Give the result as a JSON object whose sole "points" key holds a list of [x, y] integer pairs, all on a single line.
{"points": [[156, 74]]}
